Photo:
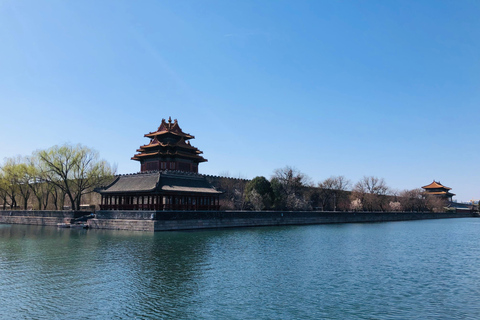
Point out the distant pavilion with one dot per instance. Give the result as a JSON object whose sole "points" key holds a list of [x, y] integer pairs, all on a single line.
{"points": [[168, 179], [437, 189]]}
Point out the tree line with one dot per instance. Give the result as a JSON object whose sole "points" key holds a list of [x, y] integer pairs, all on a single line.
{"points": [[64, 174], [60, 174], [290, 189]]}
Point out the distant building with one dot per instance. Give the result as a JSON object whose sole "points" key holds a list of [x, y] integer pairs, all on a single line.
{"points": [[437, 189], [461, 207], [168, 180]]}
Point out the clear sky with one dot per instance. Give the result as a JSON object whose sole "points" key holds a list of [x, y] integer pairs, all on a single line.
{"points": [[377, 88]]}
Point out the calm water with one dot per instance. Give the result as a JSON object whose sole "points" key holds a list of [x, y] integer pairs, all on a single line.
{"points": [[399, 270]]}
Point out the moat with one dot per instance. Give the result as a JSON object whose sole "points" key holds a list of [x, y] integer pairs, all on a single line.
{"points": [[427, 269]]}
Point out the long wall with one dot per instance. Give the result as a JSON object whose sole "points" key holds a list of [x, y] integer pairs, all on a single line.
{"points": [[190, 220]]}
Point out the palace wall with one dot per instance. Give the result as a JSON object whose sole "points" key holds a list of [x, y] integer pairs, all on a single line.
{"points": [[192, 220], [208, 220]]}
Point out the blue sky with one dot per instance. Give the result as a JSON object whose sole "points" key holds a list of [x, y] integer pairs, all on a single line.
{"points": [[354, 88]]}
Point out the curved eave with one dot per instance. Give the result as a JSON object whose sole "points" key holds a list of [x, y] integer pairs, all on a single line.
{"points": [[442, 187], [200, 191], [436, 185], [440, 193], [136, 183], [176, 154], [156, 134], [165, 145], [128, 191], [142, 155]]}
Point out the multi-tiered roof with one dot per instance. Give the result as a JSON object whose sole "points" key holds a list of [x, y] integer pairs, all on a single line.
{"points": [[169, 179], [169, 148], [437, 189]]}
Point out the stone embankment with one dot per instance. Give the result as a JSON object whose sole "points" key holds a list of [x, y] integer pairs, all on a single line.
{"points": [[191, 220], [34, 217]]}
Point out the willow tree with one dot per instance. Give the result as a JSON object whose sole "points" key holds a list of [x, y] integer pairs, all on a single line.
{"points": [[76, 170], [3, 190], [38, 181], [14, 181], [21, 173]]}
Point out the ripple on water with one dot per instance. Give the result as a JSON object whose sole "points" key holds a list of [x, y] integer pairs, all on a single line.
{"points": [[406, 270]]}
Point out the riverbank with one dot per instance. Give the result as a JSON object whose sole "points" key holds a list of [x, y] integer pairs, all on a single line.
{"points": [[34, 217], [190, 220]]}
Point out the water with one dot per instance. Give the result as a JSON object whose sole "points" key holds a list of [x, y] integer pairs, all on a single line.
{"points": [[398, 270]]}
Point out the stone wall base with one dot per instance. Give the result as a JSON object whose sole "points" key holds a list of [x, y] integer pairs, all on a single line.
{"points": [[190, 220], [321, 218], [122, 224], [39, 221]]}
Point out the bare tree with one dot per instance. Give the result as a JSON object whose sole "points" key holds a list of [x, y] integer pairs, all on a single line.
{"points": [[356, 204], [412, 200], [233, 197], [395, 205], [372, 192], [435, 204], [288, 185], [331, 191]]}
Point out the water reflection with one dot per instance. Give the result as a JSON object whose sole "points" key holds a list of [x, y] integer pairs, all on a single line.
{"points": [[414, 270]]}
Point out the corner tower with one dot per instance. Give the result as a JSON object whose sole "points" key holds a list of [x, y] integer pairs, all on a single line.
{"points": [[169, 149], [437, 189]]}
